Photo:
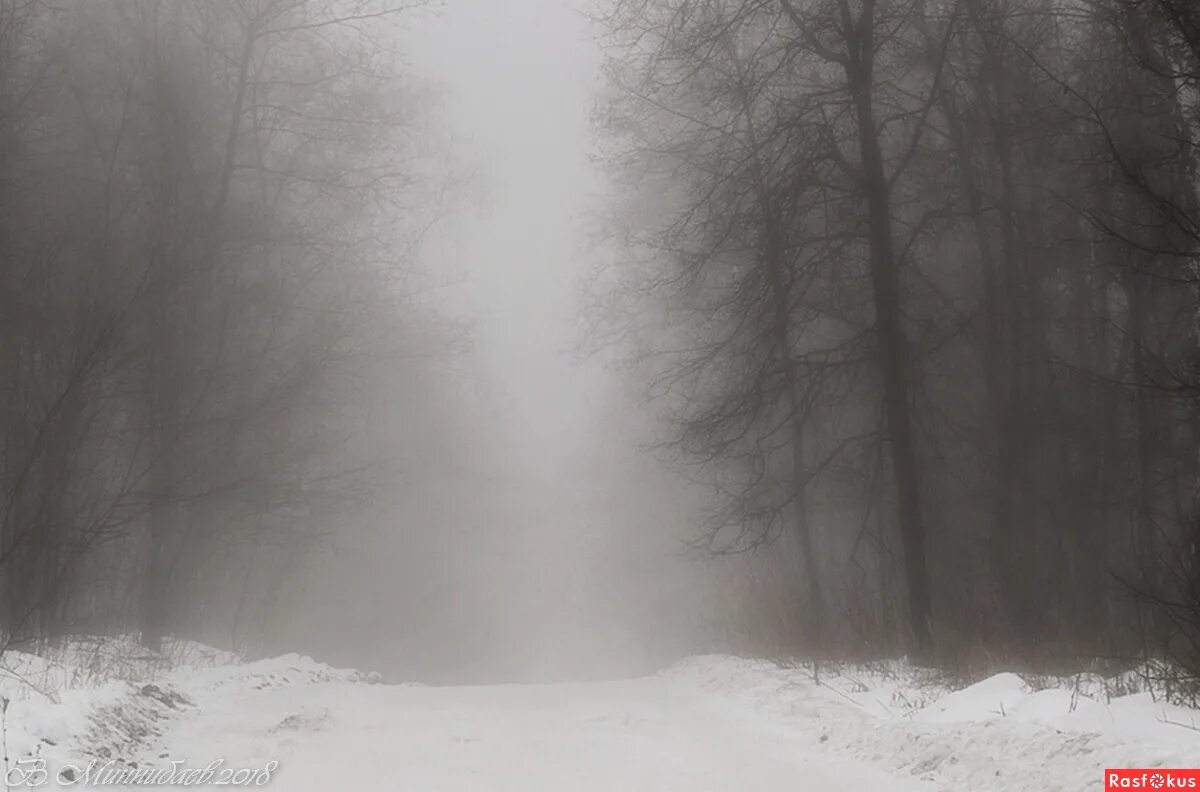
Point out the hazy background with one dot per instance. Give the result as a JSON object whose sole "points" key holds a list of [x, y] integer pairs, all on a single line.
{"points": [[293, 295], [545, 544]]}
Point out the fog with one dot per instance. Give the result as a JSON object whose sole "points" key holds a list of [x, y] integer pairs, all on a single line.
{"points": [[518, 80], [544, 340], [567, 561]]}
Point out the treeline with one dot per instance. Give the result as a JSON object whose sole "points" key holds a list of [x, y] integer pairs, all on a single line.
{"points": [[920, 280], [207, 213]]}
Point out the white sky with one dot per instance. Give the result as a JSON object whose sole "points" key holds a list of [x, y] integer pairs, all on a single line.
{"points": [[575, 548], [517, 78]]}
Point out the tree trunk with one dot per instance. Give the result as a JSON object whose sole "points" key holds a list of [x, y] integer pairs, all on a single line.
{"points": [[892, 345]]}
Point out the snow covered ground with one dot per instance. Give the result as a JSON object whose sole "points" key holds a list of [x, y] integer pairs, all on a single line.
{"points": [[710, 723], [998, 734]]}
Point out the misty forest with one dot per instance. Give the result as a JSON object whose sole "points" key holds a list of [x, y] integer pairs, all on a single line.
{"points": [[600, 394]]}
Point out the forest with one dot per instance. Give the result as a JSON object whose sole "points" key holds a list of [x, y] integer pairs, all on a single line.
{"points": [[208, 213], [692, 395], [913, 285], [887, 338]]}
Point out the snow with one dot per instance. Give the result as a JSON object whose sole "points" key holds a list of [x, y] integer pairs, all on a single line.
{"points": [[998, 734], [709, 723], [645, 734], [992, 698]]}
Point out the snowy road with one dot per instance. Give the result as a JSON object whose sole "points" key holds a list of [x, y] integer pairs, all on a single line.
{"points": [[649, 734]]}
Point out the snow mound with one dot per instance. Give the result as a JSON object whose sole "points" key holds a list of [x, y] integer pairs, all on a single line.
{"points": [[110, 699], [289, 669], [994, 697], [998, 734]]}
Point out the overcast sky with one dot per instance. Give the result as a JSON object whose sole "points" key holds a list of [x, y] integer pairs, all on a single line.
{"points": [[516, 83], [517, 79]]}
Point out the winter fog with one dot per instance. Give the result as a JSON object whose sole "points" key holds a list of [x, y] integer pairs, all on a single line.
{"points": [[546, 545], [600, 394]]}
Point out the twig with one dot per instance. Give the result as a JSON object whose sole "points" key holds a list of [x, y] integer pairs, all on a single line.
{"points": [[1180, 724]]}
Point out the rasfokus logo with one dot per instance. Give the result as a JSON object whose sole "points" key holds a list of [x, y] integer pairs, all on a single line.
{"points": [[1151, 778]]}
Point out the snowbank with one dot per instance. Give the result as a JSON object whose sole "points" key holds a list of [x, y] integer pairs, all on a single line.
{"points": [[1001, 733], [998, 734], [107, 698]]}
